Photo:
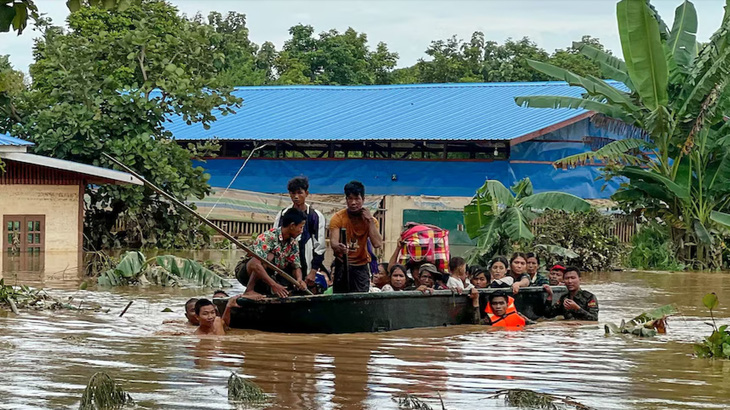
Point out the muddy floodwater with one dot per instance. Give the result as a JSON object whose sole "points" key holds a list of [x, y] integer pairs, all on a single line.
{"points": [[48, 357]]}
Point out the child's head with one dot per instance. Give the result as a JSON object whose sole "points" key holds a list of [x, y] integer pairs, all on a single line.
{"points": [[457, 267], [479, 279]]}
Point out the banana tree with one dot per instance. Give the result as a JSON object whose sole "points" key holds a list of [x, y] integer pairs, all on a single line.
{"points": [[497, 215], [673, 93]]}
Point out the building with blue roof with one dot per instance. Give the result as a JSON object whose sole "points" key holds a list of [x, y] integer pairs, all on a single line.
{"points": [[419, 139], [408, 144]]}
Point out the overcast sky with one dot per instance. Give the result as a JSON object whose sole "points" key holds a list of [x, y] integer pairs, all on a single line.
{"points": [[409, 26]]}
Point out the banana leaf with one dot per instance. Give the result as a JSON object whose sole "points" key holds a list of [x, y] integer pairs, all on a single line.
{"points": [[190, 271], [128, 269], [683, 38], [643, 52], [555, 200], [558, 250], [654, 314], [559, 101]]}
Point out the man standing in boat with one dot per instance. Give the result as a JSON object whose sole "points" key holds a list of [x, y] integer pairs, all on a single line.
{"points": [[280, 247], [312, 240], [352, 273]]}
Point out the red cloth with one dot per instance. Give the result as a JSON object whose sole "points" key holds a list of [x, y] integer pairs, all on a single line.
{"points": [[425, 243]]}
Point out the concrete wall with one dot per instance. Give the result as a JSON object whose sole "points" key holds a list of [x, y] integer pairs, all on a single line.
{"points": [[60, 204]]}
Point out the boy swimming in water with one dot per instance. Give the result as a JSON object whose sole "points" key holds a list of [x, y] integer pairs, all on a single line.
{"points": [[209, 322]]}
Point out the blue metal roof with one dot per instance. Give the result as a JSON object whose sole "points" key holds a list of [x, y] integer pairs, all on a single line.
{"points": [[6, 140], [465, 111]]}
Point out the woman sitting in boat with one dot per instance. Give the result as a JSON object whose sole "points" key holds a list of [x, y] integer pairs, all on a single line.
{"points": [[397, 279], [380, 278], [533, 265], [498, 272], [499, 312], [518, 271]]}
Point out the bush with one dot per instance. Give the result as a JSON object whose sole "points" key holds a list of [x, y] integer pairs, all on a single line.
{"points": [[587, 234], [652, 249]]}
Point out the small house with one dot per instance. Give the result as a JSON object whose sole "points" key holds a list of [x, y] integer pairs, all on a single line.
{"points": [[42, 208]]}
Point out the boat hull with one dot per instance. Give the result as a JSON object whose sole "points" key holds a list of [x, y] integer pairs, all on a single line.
{"points": [[370, 312]]}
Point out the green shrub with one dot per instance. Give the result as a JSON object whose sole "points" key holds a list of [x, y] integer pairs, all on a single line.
{"points": [[652, 249], [579, 238]]}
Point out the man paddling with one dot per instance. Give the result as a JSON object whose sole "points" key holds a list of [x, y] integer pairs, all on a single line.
{"points": [[360, 226], [279, 246], [578, 304]]}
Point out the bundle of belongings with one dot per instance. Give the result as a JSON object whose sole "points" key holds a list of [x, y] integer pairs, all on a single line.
{"points": [[425, 244]]}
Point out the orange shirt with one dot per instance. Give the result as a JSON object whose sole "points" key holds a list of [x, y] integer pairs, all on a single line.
{"points": [[358, 230]]}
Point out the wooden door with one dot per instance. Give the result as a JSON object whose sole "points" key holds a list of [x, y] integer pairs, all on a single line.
{"points": [[23, 242]]}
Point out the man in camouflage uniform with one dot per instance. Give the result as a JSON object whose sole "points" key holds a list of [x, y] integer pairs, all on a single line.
{"points": [[578, 304]]}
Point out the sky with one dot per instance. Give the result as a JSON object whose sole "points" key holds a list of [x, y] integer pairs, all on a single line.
{"points": [[409, 26]]}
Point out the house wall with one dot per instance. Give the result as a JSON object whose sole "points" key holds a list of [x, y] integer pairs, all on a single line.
{"points": [[61, 206]]}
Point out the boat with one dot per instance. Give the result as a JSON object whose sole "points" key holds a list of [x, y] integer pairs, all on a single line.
{"points": [[371, 312]]}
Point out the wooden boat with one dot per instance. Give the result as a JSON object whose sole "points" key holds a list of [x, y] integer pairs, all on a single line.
{"points": [[371, 312]]}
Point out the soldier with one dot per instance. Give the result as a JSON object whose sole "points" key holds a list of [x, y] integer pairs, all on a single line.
{"points": [[578, 304]]}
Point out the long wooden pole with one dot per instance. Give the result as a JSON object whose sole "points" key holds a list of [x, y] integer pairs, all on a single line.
{"points": [[203, 219]]}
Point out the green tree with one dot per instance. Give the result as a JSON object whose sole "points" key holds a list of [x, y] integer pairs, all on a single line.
{"points": [[675, 96], [454, 60], [572, 60], [333, 58], [108, 85], [14, 14], [499, 218]]}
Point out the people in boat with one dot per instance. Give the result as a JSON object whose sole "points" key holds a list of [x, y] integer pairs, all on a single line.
{"points": [[312, 239], [209, 322], [458, 279], [190, 312], [380, 278], [532, 267], [280, 247], [578, 304], [479, 277], [518, 271], [555, 277], [360, 226], [500, 311], [397, 279], [498, 273]]}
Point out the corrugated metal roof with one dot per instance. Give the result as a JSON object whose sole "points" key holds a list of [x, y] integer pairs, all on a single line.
{"points": [[471, 111], [6, 140]]}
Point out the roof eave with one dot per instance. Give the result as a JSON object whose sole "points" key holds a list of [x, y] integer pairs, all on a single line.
{"points": [[94, 174], [547, 130]]}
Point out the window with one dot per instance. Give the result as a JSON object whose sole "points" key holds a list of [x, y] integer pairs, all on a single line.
{"points": [[23, 242]]}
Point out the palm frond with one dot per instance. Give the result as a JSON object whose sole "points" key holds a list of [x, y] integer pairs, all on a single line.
{"points": [[617, 152], [548, 101], [593, 86]]}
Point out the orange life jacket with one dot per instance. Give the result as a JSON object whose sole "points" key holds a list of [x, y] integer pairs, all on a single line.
{"points": [[510, 319]]}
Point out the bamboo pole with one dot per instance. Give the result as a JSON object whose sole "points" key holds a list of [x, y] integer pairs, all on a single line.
{"points": [[203, 219]]}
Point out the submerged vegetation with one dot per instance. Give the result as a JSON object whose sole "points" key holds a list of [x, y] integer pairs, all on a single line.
{"points": [[529, 399], [164, 270], [651, 248], [242, 391], [717, 345], [103, 393], [647, 324]]}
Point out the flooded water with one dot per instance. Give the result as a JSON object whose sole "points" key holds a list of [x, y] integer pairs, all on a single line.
{"points": [[48, 357]]}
